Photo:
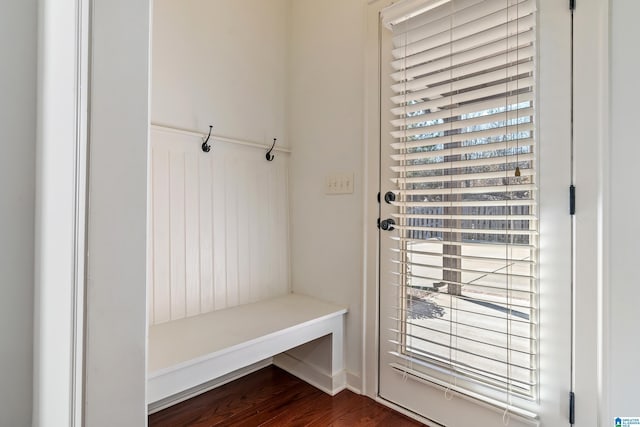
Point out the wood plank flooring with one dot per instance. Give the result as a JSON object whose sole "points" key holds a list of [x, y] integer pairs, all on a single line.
{"points": [[273, 397]]}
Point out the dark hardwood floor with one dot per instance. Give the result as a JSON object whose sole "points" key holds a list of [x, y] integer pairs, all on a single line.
{"points": [[273, 397]]}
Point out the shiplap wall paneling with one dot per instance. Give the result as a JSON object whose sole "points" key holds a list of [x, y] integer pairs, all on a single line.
{"points": [[219, 226]]}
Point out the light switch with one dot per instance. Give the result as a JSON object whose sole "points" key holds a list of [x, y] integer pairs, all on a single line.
{"points": [[341, 183]]}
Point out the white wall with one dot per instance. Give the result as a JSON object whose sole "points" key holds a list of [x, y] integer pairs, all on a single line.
{"points": [[116, 248], [17, 195], [326, 109], [623, 371], [221, 63]]}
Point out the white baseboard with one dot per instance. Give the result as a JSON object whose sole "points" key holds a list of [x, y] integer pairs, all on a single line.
{"points": [[408, 413], [330, 384], [354, 383], [203, 388]]}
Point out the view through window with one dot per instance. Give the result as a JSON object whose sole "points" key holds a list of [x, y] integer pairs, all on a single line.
{"points": [[465, 173]]}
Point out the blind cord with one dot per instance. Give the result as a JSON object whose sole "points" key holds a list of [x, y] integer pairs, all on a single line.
{"points": [[404, 274], [505, 415], [451, 298]]}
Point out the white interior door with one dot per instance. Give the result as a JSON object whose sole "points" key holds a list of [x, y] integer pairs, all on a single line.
{"points": [[470, 333]]}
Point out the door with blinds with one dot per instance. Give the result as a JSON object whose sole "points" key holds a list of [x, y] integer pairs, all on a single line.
{"points": [[475, 240]]}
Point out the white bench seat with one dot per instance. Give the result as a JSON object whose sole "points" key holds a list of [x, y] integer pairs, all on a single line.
{"points": [[186, 353]]}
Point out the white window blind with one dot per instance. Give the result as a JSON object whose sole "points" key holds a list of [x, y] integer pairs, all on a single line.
{"points": [[464, 165]]}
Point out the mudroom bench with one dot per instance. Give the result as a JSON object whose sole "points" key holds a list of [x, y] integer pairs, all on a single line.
{"points": [[187, 353]]}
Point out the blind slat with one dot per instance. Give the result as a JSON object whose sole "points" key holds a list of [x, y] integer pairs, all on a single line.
{"points": [[462, 338], [485, 317], [497, 53], [471, 107], [463, 10], [465, 51], [459, 79], [472, 287], [495, 189], [486, 29], [402, 182], [461, 367], [462, 349], [465, 163], [469, 326], [485, 231], [474, 217], [437, 152], [497, 90], [472, 245], [471, 203], [518, 73]]}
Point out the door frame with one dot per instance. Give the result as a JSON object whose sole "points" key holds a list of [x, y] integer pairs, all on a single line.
{"points": [[61, 179], [90, 284], [591, 38], [116, 301]]}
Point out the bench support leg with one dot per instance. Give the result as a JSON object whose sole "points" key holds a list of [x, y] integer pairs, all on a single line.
{"points": [[337, 348]]}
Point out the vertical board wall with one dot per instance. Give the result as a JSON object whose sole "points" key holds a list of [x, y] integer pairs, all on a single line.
{"points": [[219, 223]]}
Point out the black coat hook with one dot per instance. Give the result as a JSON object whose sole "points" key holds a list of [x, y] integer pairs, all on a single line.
{"points": [[206, 147], [270, 156]]}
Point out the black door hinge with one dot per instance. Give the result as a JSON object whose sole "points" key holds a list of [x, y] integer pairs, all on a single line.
{"points": [[572, 408], [572, 4], [572, 199]]}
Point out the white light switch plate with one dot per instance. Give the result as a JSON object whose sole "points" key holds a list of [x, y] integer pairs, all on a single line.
{"points": [[341, 183]]}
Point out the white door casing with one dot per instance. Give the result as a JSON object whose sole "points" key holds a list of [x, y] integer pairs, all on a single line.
{"points": [[63, 58]]}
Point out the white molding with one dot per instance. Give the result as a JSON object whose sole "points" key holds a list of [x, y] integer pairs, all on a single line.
{"points": [[371, 181], [214, 137], [407, 413], [80, 219], [207, 386], [354, 383], [328, 383]]}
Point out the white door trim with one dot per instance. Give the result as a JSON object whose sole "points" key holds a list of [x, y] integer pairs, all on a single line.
{"points": [[591, 176], [116, 303], [63, 57], [371, 206]]}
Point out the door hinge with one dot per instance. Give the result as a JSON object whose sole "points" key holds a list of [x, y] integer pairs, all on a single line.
{"points": [[572, 408], [572, 4], [572, 200]]}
